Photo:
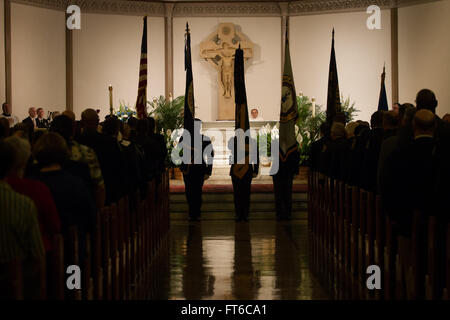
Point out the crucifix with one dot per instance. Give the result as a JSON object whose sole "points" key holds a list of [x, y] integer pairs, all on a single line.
{"points": [[218, 50]]}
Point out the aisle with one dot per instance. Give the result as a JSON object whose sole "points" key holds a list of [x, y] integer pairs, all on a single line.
{"points": [[263, 259]]}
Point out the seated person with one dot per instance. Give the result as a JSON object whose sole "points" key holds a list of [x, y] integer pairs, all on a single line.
{"points": [[255, 115]]}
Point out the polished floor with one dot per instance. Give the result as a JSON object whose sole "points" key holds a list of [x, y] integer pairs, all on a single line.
{"points": [[222, 259]]}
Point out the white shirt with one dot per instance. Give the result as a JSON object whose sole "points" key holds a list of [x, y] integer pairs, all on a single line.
{"points": [[258, 118], [13, 120]]}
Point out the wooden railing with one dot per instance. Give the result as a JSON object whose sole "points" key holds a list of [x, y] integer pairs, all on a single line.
{"points": [[114, 261], [348, 231]]}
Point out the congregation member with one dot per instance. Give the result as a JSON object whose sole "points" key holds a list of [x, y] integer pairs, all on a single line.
{"points": [[108, 154], [7, 114], [19, 226], [48, 217], [72, 199], [64, 126], [371, 154]]}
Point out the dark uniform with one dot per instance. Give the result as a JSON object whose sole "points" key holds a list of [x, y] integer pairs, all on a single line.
{"points": [[282, 183], [194, 176], [241, 177]]}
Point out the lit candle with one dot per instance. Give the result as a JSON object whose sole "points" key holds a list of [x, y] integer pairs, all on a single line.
{"points": [[313, 100], [301, 94], [111, 110]]}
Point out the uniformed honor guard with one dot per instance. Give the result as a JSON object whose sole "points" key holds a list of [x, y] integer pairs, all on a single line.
{"points": [[289, 156], [199, 166], [244, 159]]}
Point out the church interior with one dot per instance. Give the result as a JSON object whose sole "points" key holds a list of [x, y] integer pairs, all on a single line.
{"points": [[347, 200]]}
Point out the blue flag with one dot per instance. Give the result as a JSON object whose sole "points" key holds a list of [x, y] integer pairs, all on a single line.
{"points": [[382, 101]]}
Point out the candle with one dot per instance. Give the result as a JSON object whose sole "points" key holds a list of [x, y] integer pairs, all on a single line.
{"points": [[301, 94], [170, 97], [111, 110], [313, 100]]}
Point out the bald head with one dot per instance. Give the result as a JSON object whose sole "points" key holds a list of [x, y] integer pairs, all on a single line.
{"points": [[426, 100], [89, 118], [337, 130], [424, 123], [69, 114]]}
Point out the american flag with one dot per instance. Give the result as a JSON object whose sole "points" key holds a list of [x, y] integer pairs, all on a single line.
{"points": [[141, 103]]}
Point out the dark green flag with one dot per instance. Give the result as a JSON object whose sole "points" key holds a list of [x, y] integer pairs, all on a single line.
{"points": [[241, 114], [333, 98]]}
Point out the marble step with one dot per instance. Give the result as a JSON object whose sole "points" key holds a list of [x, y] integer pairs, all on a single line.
{"points": [[269, 215], [224, 203]]}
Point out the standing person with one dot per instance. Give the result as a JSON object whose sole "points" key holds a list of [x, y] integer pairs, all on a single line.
{"points": [[289, 157], [41, 122], [243, 168], [38, 192], [196, 170], [31, 119], [7, 113]]}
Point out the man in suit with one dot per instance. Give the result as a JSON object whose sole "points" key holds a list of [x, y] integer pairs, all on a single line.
{"points": [[41, 122], [197, 171], [31, 119]]}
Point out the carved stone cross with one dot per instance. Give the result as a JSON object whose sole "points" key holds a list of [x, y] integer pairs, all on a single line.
{"points": [[219, 49]]}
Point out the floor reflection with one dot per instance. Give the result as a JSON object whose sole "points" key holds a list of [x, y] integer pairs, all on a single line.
{"points": [[263, 259]]}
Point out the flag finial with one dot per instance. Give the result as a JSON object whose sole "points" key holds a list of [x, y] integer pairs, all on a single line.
{"points": [[333, 33], [187, 27]]}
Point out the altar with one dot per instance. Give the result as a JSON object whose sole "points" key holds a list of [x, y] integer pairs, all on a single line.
{"points": [[221, 131]]}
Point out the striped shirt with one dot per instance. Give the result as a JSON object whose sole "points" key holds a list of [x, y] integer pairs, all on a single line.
{"points": [[20, 237]]}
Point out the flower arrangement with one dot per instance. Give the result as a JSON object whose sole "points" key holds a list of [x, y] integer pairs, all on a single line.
{"points": [[124, 112]]}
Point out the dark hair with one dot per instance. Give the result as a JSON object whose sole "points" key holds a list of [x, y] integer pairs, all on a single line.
{"points": [[390, 119], [426, 100], [376, 120], [62, 125], [142, 127], [111, 126], [132, 122], [50, 148], [7, 158]]}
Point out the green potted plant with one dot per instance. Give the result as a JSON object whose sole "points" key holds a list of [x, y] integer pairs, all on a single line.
{"points": [[308, 127], [169, 115]]}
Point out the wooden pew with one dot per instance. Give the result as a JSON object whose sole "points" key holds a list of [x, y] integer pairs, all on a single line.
{"points": [[446, 291], [98, 258], [73, 257], [432, 275], [106, 254], [56, 274], [11, 281]]}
